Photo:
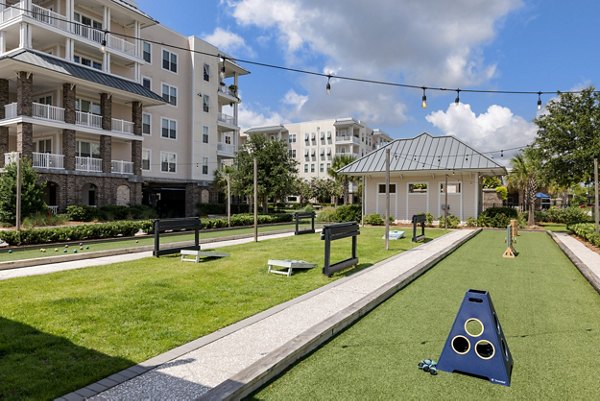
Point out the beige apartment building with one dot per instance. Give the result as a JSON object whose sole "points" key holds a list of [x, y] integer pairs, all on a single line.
{"points": [[107, 118], [314, 144]]}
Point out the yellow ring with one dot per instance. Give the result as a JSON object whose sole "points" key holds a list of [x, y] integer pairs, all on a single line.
{"points": [[475, 320], [493, 349], [468, 343]]}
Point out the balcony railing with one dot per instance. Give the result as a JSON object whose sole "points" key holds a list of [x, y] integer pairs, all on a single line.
{"points": [[88, 164], [347, 139], [48, 160], [48, 112], [225, 149], [88, 119], [53, 209], [121, 45], [11, 157], [121, 167], [10, 110], [226, 118], [122, 126], [49, 17], [12, 12]]}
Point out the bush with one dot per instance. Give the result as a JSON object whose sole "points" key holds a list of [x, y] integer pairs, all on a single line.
{"points": [[349, 213], [586, 231], [81, 213], [44, 219], [506, 211], [453, 221], [568, 216], [429, 219], [471, 222], [327, 215], [374, 219]]}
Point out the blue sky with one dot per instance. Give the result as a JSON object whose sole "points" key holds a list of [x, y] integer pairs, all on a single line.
{"points": [[479, 44]]}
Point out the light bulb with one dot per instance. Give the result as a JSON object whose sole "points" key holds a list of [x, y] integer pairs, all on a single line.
{"points": [[424, 100]]}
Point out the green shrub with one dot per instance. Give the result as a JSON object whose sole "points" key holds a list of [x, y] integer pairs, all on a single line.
{"points": [[453, 221], [500, 220], [44, 219], [327, 215], [429, 219], [374, 219], [586, 231], [568, 216], [507, 211], [484, 221], [81, 213], [471, 222], [349, 213]]}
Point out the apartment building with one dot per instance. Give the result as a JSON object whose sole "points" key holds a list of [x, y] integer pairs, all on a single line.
{"points": [[107, 118], [314, 144]]}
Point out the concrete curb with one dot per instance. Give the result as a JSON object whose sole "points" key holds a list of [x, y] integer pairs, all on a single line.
{"points": [[264, 370], [581, 266]]}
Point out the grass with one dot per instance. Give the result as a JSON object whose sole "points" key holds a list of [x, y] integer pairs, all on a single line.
{"points": [[62, 331], [31, 252], [547, 310]]}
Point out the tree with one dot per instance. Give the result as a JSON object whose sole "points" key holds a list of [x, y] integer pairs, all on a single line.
{"points": [[569, 137], [32, 194], [340, 161], [276, 173], [526, 175], [491, 182]]}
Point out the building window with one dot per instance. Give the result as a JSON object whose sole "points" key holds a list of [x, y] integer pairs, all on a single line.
{"points": [[169, 61], [417, 188], [147, 83], [168, 162], [453, 188], [205, 165], [292, 153], [312, 167], [43, 146], [292, 138], [205, 103], [147, 52], [382, 188], [146, 156], [227, 139], [321, 167], [146, 124], [204, 134], [206, 72], [87, 62], [306, 137], [305, 168], [169, 93], [87, 106], [88, 149], [168, 128]]}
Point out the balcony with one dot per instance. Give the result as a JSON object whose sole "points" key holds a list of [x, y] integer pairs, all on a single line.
{"points": [[11, 157], [10, 111], [122, 126], [48, 112], [90, 164], [88, 119], [341, 139], [226, 118], [225, 149], [12, 12], [121, 167], [48, 160]]}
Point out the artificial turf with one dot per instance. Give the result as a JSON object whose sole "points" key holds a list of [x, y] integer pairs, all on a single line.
{"points": [[548, 311], [62, 331]]}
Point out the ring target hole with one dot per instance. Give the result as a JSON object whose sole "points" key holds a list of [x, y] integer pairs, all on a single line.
{"points": [[461, 345], [485, 349], [474, 327]]}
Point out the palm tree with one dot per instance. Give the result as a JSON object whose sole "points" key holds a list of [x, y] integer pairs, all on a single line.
{"points": [[340, 161], [526, 175]]}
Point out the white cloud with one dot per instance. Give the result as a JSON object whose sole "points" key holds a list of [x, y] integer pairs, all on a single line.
{"points": [[249, 118], [496, 129], [228, 41], [295, 100]]}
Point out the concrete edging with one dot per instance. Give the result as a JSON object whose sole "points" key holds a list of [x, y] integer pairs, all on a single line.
{"points": [[264, 370], [581, 266]]}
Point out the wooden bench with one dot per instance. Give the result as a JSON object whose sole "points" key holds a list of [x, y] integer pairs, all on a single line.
{"points": [[191, 255], [288, 264]]}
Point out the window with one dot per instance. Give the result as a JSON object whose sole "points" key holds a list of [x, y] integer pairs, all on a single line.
{"points": [[205, 103], [169, 61], [382, 188], [168, 162], [169, 93], [147, 52], [43, 146], [312, 167], [87, 106], [206, 72], [146, 124], [321, 167], [453, 188], [146, 156], [306, 138], [305, 168], [147, 83], [87, 62], [418, 188], [88, 149], [292, 153], [205, 165], [168, 128], [204, 134], [292, 138], [228, 140], [45, 100]]}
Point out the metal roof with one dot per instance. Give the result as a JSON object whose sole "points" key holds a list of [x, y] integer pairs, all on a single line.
{"points": [[262, 130], [64, 67], [425, 153]]}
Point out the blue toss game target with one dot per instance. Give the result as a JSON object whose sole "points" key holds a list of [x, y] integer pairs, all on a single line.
{"points": [[476, 344]]}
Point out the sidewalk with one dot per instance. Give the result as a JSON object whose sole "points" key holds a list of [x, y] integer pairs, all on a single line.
{"points": [[586, 260], [234, 361]]}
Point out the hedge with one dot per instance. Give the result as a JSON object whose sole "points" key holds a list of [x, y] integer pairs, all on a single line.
{"points": [[586, 231]]}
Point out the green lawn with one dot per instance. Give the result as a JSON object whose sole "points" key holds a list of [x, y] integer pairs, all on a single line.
{"points": [[62, 331], [548, 311]]}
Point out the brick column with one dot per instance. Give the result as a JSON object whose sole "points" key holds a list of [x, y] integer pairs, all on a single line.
{"points": [[106, 110], [68, 137], [106, 153], [136, 146], [25, 139], [3, 130], [24, 89]]}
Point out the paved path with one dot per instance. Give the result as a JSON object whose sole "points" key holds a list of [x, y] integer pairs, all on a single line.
{"points": [[586, 260], [238, 359]]}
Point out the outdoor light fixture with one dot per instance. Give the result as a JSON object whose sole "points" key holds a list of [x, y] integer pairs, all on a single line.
{"points": [[457, 100], [424, 99], [103, 44], [328, 86], [539, 102]]}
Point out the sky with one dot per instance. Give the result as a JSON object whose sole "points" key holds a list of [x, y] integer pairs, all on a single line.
{"points": [[514, 45]]}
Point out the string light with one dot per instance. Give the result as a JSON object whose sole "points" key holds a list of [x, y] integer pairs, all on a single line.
{"points": [[539, 102], [328, 86], [457, 100], [103, 44], [424, 99]]}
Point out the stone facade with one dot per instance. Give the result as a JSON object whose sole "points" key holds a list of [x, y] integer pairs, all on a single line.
{"points": [[25, 139], [24, 93], [105, 153], [3, 130], [106, 110], [69, 97], [491, 198]]}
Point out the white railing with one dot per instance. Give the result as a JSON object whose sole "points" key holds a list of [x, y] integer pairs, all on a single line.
{"points": [[121, 45], [347, 139], [53, 209], [12, 12], [225, 148], [48, 160], [88, 119], [11, 157], [121, 167], [226, 118], [10, 110], [48, 112], [122, 126], [93, 34], [88, 164], [49, 17]]}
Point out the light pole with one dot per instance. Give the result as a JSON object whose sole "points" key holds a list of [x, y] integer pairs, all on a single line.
{"points": [[18, 211], [228, 200], [255, 200], [387, 199], [596, 216]]}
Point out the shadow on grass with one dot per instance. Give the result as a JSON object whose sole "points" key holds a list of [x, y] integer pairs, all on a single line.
{"points": [[37, 366]]}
